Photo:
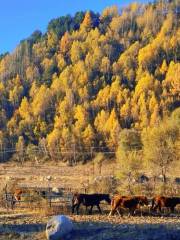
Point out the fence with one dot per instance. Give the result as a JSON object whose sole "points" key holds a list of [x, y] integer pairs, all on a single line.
{"points": [[36, 195], [71, 153], [27, 199]]}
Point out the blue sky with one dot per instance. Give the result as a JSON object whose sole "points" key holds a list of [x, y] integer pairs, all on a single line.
{"points": [[19, 18]]}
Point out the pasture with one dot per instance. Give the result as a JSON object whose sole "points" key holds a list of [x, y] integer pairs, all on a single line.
{"points": [[27, 221], [100, 227]]}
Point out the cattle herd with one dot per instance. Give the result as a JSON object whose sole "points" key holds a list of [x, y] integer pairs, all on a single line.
{"points": [[117, 202]]}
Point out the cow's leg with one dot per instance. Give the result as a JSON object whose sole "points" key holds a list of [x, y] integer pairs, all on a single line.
{"points": [[172, 209], [99, 208], [111, 212], [152, 206], [13, 202], [141, 210], [77, 208], [113, 209], [74, 207], [87, 210], [131, 212], [136, 208], [156, 206], [159, 207], [119, 212], [91, 208]]}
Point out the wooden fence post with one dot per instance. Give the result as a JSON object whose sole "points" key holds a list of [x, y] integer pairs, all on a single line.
{"points": [[6, 197], [49, 197]]}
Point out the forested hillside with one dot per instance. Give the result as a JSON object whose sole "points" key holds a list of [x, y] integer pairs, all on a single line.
{"points": [[94, 80]]}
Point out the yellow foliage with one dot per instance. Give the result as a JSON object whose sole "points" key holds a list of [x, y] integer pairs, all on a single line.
{"points": [[88, 135], [1, 87], [87, 22], [145, 83], [100, 120], [53, 138], [65, 43], [41, 101], [164, 67], [25, 109], [172, 80], [110, 11], [125, 109]]}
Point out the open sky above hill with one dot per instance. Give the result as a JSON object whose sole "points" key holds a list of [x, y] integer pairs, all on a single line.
{"points": [[20, 18]]}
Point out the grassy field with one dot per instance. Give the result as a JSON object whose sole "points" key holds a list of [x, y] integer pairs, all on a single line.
{"points": [[63, 176], [30, 223], [32, 226]]}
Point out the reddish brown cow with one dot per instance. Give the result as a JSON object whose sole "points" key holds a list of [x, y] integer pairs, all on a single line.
{"points": [[132, 203], [115, 203], [169, 202], [17, 194]]}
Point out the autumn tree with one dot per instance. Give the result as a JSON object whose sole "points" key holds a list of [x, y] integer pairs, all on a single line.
{"points": [[129, 158], [65, 43], [160, 147], [87, 22], [20, 149], [41, 103]]}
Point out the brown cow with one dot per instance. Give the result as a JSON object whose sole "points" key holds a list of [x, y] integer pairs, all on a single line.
{"points": [[132, 203], [115, 203], [159, 202], [18, 193]]}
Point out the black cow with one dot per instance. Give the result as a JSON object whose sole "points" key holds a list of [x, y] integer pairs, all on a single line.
{"points": [[88, 200]]}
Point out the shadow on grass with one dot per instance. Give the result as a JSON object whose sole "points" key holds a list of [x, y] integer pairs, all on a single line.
{"points": [[105, 231], [126, 232], [22, 228]]}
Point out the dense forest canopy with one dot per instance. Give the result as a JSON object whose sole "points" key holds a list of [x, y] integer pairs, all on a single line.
{"points": [[93, 80]]}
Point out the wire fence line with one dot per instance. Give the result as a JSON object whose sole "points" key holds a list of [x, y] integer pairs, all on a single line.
{"points": [[68, 147], [29, 198], [72, 153], [66, 151]]}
